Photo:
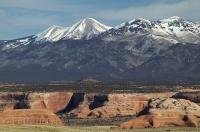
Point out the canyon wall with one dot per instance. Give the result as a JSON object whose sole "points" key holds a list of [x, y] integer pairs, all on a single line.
{"points": [[151, 109]]}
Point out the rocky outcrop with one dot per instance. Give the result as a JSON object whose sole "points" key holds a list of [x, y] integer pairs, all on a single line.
{"points": [[150, 109], [161, 120], [111, 105], [54, 101], [193, 96], [17, 100], [80, 105], [29, 116], [180, 105], [162, 95], [167, 113], [32, 108]]}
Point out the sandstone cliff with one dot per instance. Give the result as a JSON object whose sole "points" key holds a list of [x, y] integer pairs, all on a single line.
{"points": [[167, 113], [29, 116], [106, 106]]}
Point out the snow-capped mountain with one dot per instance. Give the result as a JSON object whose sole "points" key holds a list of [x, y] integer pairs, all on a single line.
{"points": [[11, 44], [53, 33], [170, 30], [174, 29], [139, 49], [179, 29], [84, 29]]}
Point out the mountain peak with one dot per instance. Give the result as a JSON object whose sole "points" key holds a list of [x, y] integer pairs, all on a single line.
{"points": [[89, 19], [134, 23], [141, 19], [173, 19], [50, 33], [51, 30], [86, 29]]}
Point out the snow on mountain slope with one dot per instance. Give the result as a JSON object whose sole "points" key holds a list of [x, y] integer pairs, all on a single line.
{"points": [[84, 29], [53, 33], [179, 29], [167, 31], [140, 22], [147, 38], [141, 49], [8, 44], [174, 29]]}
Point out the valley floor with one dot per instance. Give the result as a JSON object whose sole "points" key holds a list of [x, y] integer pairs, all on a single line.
{"points": [[33, 128]]}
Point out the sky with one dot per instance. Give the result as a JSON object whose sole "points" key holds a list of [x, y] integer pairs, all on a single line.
{"points": [[20, 18]]}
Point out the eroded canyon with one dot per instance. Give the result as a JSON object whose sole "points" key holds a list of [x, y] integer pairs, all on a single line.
{"points": [[158, 109]]}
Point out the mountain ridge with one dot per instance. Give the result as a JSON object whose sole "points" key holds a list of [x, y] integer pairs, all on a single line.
{"points": [[137, 50], [84, 29]]}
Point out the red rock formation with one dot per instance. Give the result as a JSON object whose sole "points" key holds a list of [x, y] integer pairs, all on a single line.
{"points": [[140, 122], [172, 119], [167, 113], [164, 95], [9, 101], [121, 105], [111, 105], [82, 103], [54, 101], [28, 116]]}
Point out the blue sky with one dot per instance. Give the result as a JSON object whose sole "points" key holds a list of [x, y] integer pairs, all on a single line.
{"points": [[19, 18]]}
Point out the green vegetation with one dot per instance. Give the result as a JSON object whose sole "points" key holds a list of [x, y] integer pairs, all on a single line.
{"points": [[112, 121], [23, 128]]}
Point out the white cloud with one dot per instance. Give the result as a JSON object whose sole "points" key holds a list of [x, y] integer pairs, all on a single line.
{"points": [[189, 9]]}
